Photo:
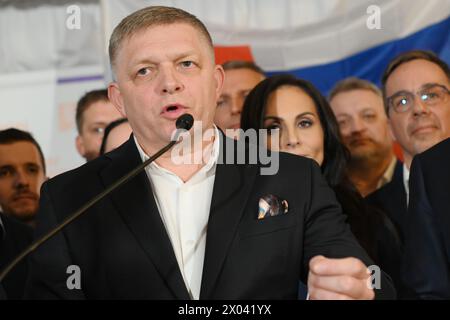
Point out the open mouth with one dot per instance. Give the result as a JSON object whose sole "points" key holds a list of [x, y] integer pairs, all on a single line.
{"points": [[172, 108], [173, 111]]}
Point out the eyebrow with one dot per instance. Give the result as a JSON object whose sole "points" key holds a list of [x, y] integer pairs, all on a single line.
{"points": [[176, 57], [32, 164], [9, 166], [367, 109], [431, 84], [101, 123], [422, 87], [298, 116], [272, 118], [343, 115], [238, 92]]}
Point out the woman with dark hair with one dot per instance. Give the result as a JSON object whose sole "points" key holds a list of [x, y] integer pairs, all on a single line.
{"points": [[307, 127]]}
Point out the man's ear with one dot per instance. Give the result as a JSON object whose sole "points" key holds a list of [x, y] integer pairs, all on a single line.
{"points": [[219, 76], [115, 97], [80, 146]]}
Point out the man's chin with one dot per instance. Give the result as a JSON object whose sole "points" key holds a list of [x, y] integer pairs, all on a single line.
{"points": [[363, 152], [91, 155], [24, 214], [424, 144]]}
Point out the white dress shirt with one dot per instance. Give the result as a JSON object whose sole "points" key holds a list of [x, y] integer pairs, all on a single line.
{"points": [[406, 182], [184, 209]]}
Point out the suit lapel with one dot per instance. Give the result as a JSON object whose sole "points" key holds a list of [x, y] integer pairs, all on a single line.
{"points": [[136, 204], [398, 192], [232, 187], [392, 197]]}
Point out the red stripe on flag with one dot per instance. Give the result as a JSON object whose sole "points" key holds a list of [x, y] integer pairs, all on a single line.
{"points": [[224, 54], [398, 151]]}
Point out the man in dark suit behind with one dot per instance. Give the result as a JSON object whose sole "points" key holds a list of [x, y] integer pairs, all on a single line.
{"points": [[391, 198], [14, 237], [2, 293], [426, 264], [415, 88], [22, 172], [190, 230]]}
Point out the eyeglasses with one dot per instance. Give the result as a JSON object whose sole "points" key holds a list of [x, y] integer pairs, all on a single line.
{"points": [[431, 96]]}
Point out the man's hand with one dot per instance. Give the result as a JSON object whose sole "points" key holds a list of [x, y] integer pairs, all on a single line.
{"points": [[338, 279]]}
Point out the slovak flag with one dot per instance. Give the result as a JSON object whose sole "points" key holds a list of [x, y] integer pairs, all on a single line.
{"points": [[322, 41]]}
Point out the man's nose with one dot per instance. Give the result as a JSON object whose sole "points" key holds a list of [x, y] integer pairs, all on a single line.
{"points": [[357, 125], [236, 106], [169, 82], [419, 107], [21, 180]]}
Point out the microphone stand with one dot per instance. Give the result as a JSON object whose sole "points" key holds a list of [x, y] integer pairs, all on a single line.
{"points": [[96, 199]]}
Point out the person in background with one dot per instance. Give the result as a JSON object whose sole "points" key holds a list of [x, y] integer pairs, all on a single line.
{"points": [[240, 78], [307, 127], [14, 238], [415, 88], [94, 112], [22, 173], [359, 110], [116, 133]]}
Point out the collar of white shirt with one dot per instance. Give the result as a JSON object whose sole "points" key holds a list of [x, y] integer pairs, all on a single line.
{"points": [[406, 182], [208, 169]]}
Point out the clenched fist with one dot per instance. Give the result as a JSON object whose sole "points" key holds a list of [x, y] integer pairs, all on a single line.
{"points": [[339, 279]]}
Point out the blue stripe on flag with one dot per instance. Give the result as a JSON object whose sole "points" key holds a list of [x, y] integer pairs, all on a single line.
{"points": [[370, 64]]}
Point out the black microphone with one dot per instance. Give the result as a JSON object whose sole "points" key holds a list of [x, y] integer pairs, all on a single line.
{"points": [[183, 123]]}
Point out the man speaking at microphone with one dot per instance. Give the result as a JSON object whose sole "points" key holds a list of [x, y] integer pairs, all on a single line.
{"points": [[190, 231]]}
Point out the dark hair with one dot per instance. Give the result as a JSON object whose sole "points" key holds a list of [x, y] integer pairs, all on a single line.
{"points": [[108, 130], [85, 101], [241, 64], [410, 56], [12, 135], [335, 153], [364, 221]]}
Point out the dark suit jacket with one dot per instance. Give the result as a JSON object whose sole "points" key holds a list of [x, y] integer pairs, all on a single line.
{"points": [[17, 236], [391, 199], [124, 252], [2, 293], [427, 234]]}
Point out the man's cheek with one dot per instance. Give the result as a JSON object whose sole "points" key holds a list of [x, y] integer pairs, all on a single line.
{"points": [[5, 190]]}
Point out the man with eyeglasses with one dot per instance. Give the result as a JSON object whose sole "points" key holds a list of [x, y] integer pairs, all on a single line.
{"points": [[416, 93], [415, 88]]}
